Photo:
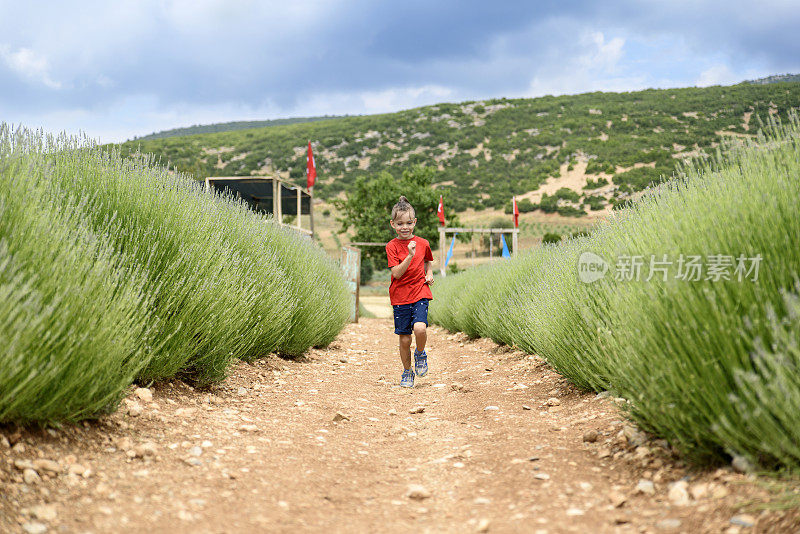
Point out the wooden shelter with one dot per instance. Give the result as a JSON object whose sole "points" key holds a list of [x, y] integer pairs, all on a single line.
{"points": [[271, 195]]}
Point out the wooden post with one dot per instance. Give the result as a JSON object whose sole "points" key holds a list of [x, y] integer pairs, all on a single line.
{"points": [[311, 210], [351, 266], [274, 200], [514, 241], [299, 208], [491, 246], [280, 203], [442, 238]]}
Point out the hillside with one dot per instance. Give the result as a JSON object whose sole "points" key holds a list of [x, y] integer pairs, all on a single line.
{"points": [[568, 154], [229, 127], [777, 78]]}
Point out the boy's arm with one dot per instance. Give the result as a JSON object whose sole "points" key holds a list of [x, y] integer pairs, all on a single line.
{"points": [[428, 272], [400, 269]]}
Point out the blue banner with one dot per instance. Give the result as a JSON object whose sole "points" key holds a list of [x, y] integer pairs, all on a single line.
{"points": [[505, 248], [450, 252]]}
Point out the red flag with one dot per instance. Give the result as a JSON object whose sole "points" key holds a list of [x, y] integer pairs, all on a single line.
{"points": [[516, 212], [440, 211], [311, 169]]}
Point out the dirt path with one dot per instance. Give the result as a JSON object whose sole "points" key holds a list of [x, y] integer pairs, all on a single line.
{"points": [[497, 445]]}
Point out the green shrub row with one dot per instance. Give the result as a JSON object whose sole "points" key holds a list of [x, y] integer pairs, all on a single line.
{"points": [[712, 364], [115, 270]]}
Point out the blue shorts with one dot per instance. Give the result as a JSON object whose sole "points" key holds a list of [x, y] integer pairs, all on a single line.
{"points": [[405, 315]]}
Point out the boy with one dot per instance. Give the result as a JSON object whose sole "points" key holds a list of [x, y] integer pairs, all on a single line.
{"points": [[410, 260]]}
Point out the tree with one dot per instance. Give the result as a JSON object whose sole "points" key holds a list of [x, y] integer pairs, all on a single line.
{"points": [[368, 207]]}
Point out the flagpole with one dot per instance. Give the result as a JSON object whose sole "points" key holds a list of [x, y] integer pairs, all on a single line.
{"points": [[311, 210]]}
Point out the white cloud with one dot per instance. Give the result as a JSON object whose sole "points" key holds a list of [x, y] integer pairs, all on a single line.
{"points": [[593, 66], [602, 54], [716, 75], [29, 64], [367, 102]]}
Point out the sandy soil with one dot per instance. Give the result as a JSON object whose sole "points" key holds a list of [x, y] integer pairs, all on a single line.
{"points": [[378, 305], [491, 440], [574, 179]]}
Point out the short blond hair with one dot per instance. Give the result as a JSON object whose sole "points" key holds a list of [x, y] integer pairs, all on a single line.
{"points": [[403, 206]]}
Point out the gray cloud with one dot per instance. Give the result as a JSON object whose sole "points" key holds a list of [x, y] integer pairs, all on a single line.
{"points": [[182, 59]]}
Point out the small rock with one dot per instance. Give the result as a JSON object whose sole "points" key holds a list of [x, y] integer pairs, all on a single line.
{"points": [[196, 451], [147, 449], [254, 428], [22, 465], [617, 499], [417, 492], [541, 476], [642, 452], [590, 436], [483, 525], [457, 386], [553, 401], [482, 500], [417, 409], [698, 491], [741, 464], [526, 407], [603, 395], [31, 477], [340, 417], [34, 528], [392, 411], [678, 494], [573, 512], [343, 360], [44, 512], [47, 465], [604, 452], [743, 520], [491, 408], [4, 442], [78, 469], [634, 436], [134, 409], [646, 487], [144, 394], [669, 524], [720, 492], [241, 392], [193, 461]]}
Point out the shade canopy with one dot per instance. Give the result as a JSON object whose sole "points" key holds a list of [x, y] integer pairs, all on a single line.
{"points": [[258, 193]]}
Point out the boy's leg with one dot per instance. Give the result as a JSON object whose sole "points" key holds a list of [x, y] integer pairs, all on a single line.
{"points": [[421, 335], [405, 350]]}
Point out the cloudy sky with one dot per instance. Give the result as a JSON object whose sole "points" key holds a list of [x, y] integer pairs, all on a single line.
{"points": [[118, 69]]}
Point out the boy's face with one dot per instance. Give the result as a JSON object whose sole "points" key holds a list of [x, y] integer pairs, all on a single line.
{"points": [[404, 225]]}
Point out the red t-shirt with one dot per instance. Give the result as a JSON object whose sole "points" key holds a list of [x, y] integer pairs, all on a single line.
{"points": [[410, 287]]}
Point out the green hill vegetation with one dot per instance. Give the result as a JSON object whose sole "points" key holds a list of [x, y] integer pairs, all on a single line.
{"points": [[777, 78], [229, 127], [605, 146], [707, 356], [114, 270]]}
